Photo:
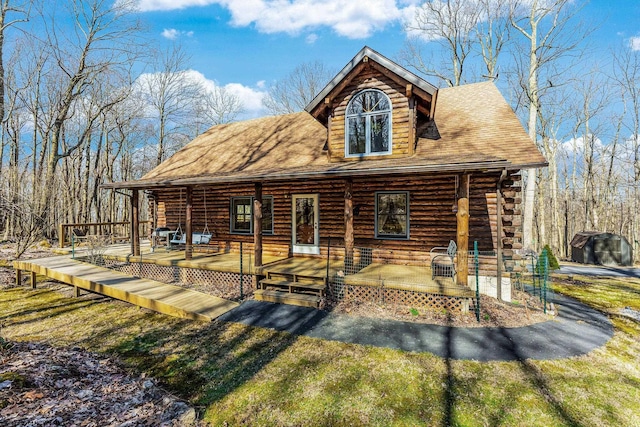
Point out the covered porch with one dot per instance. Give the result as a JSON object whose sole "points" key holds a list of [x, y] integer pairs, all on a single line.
{"points": [[313, 228], [301, 280]]}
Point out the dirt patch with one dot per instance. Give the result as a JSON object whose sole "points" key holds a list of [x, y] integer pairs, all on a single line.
{"points": [[43, 385], [528, 310], [8, 252]]}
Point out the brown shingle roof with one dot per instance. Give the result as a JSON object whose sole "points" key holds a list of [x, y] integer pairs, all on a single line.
{"points": [[474, 119], [290, 141], [477, 128]]}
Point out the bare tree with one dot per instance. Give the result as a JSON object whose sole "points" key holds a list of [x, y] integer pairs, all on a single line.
{"points": [[217, 106], [298, 88], [626, 75], [544, 25], [492, 31], [450, 24], [171, 96], [21, 9]]}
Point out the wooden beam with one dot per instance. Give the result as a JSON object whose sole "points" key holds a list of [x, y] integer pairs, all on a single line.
{"points": [[257, 225], [61, 230], [409, 90], [412, 125], [420, 93], [135, 223], [188, 228], [18, 277], [348, 223], [463, 231], [33, 280], [499, 234], [432, 111], [339, 88]]}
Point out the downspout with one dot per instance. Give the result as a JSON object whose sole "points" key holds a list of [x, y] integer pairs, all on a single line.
{"points": [[503, 175]]}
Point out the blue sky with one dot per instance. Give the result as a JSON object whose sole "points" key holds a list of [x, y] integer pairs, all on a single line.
{"points": [[250, 43]]}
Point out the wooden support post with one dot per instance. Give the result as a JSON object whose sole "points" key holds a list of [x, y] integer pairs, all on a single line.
{"points": [[61, 230], [18, 277], [188, 228], [499, 261], [135, 224], [348, 225], [257, 225], [463, 231], [33, 279], [76, 291]]}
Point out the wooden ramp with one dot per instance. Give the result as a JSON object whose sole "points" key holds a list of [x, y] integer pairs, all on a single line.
{"points": [[157, 296]]}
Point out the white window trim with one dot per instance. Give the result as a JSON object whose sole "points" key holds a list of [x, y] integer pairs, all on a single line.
{"points": [[408, 221], [250, 232], [347, 116]]}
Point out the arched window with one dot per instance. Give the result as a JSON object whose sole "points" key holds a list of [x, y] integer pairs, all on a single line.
{"points": [[368, 124]]}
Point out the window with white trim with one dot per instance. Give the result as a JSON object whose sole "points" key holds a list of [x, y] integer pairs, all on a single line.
{"points": [[368, 124], [392, 215], [242, 215]]}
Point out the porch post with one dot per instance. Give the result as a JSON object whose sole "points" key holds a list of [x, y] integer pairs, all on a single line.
{"points": [[188, 228], [135, 223], [348, 223], [463, 231], [257, 225], [499, 241]]}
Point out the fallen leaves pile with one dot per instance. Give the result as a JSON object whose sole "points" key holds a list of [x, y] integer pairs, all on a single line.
{"points": [[42, 385]]}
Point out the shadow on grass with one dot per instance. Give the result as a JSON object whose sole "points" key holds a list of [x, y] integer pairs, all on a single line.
{"points": [[203, 363], [61, 306]]}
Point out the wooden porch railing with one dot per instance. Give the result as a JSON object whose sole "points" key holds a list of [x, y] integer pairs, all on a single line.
{"points": [[115, 230]]}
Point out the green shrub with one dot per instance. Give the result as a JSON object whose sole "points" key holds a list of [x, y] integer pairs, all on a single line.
{"points": [[553, 261]]}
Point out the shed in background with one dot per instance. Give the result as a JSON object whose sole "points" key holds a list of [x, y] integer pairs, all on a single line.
{"points": [[597, 247]]}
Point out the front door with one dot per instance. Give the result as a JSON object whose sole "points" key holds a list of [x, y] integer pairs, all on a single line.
{"points": [[306, 236]]}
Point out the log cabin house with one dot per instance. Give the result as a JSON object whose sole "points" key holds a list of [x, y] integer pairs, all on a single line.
{"points": [[380, 168]]}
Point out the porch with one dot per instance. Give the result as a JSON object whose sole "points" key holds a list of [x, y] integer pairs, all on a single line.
{"points": [[300, 280], [160, 297]]}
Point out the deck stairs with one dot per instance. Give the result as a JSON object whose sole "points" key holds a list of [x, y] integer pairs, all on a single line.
{"points": [[291, 288]]}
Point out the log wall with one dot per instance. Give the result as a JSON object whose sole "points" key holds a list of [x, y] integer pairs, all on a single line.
{"points": [[432, 221]]}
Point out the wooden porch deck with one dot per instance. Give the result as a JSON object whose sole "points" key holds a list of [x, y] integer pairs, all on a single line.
{"points": [[393, 276], [228, 262], [408, 278], [163, 298]]}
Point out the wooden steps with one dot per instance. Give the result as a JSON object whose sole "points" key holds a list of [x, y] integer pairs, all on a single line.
{"points": [[291, 288], [283, 297]]}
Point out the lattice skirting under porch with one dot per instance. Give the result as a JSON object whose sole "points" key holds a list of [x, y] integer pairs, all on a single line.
{"points": [[217, 283], [378, 295]]}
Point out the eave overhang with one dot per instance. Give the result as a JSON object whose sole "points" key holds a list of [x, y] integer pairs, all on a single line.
{"points": [[341, 171]]}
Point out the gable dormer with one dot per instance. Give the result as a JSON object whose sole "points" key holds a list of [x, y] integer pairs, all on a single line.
{"points": [[371, 109]]}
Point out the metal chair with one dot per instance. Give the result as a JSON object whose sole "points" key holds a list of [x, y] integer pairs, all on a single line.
{"points": [[442, 261]]}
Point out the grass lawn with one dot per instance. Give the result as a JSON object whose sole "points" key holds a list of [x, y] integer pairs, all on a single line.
{"points": [[243, 375]]}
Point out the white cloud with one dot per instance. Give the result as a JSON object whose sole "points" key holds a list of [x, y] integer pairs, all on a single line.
{"points": [[172, 33], [250, 97], [150, 5], [352, 19], [634, 43], [311, 38]]}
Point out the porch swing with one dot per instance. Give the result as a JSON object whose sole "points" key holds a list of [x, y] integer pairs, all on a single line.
{"points": [[178, 235], [180, 238], [205, 237]]}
